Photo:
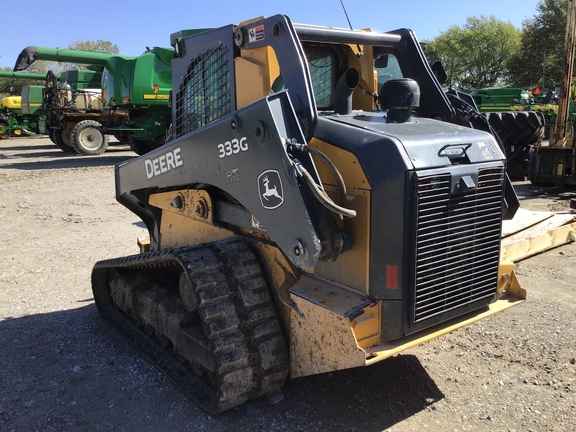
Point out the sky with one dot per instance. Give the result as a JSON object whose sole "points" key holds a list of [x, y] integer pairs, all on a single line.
{"points": [[134, 25]]}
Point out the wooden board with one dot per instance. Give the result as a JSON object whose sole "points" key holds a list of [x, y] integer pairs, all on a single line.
{"points": [[523, 219], [532, 232]]}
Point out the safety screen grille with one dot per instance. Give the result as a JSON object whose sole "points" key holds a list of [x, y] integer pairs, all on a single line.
{"points": [[205, 93], [457, 244]]}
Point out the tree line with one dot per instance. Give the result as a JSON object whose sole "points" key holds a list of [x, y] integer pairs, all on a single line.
{"points": [[487, 52]]}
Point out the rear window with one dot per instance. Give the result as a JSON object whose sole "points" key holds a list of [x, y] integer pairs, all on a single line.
{"points": [[322, 63]]}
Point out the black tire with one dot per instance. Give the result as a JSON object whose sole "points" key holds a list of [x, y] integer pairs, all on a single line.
{"points": [[4, 133], [61, 137], [123, 139], [51, 135], [519, 131], [88, 139]]}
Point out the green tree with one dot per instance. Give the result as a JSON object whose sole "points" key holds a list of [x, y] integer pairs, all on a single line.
{"points": [[476, 54], [98, 46], [542, 46]]}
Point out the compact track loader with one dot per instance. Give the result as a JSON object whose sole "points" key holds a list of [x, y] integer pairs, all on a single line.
{"points": [[316, 209]]}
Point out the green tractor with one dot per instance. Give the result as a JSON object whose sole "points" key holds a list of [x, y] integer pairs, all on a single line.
{"points": [[14, 121], [133, 94], [547, 103]]}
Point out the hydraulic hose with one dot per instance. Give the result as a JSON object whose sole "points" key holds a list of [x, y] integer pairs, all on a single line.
{"points": [[320, 194], [316, 190], [335, 173]]}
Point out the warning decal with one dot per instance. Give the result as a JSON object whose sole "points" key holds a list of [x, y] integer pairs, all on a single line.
{"points": [[485, 151], [256, 34]]}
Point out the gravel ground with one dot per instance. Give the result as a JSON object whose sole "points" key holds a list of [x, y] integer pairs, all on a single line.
{"points": [[63, 369]]}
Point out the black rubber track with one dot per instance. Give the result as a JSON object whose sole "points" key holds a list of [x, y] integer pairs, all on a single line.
{"points": [[236, 314]]}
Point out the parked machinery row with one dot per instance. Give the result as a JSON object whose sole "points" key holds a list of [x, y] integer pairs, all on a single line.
{"points": [[122, 96]]}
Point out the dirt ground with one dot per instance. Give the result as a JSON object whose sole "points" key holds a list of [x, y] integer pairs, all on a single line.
{"points": [[64, 369]]}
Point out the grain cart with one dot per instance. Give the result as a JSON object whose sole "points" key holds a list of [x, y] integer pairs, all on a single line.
{"points": [[13, 120], [69, 106], [315, 211], [39, 107], [134, 99]]}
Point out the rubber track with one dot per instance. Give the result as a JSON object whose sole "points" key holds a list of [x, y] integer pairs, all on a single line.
{"points": [[237, 315]]}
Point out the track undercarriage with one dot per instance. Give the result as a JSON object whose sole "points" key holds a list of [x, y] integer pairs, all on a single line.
{"points": [[203, 315]]}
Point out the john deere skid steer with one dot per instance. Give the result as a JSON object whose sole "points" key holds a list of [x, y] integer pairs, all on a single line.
{"points": [[316, 209]]}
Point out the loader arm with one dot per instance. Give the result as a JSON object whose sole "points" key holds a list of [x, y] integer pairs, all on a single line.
{"points": [[245, 156]]}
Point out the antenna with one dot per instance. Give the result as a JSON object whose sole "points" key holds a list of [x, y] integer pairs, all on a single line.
{"points": [[360, 52]]}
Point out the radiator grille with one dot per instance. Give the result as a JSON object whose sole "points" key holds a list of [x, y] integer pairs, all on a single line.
{"points": [[205, 93], [457, 244]]}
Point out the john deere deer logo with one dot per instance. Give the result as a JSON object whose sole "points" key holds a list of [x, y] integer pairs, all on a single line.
{"points": [[270, 189]]}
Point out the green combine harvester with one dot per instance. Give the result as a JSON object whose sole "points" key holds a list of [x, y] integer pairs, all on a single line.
{"points": [[129, 101], [141, 87]]}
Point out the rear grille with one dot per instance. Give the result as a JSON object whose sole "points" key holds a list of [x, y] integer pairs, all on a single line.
{"points": [[205, 93], [457, 244]]}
